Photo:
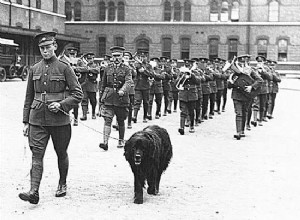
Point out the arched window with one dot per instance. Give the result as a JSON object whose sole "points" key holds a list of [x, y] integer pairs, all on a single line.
{"points": [[262, 47], [214, 10], [19, 2], [282, 49], [187, 11], [38, 4], [273, 10], [167, 11], [55, 6], [142, 45], [77, 11], [111, 11], [185, 48], [213, 48], [177, 11], [224, 11], [232, 48], [235, 11], [166, 47], [102, 11], [68, 11], [121, 11]]}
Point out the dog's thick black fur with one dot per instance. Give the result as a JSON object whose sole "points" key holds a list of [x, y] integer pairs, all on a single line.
{"points": [[148, 152]]}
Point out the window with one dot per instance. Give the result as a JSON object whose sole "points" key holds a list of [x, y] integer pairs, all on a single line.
{"points": [[68, 11], [38, 4], [119, 41], [282, 50], [232, 48], [102, 46], [185, 48], [102, 11], [77, 11], [214, 10], [187, 11], [142, 45], [273, 10], [121, 11], [213, 48], [111, 11], [166, 47], [224, 11], [55, 6], [262, 47], [19, 2], [167, 11], [235, 11], [177, 11]]}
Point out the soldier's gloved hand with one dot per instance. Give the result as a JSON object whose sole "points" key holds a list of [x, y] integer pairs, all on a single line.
{"points": [[121, 93], [26, 129], [54, 107]]}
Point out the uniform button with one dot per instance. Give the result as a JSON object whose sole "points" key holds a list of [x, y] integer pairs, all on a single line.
{"points": [[45, 74], [47, 66], [45, 83]]}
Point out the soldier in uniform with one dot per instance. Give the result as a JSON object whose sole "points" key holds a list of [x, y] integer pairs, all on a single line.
{"points": [[45, 113], [213, 87], [240, 100], [173, 94], [69, 56], [275, 80], [220, 83], [142, 86], [156, 88], [200, 93], [187, 96], [116, 84], [165, 68], [89, 86]]}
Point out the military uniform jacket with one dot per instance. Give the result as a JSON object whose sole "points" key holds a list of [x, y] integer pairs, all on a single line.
{"points": [[213, 83], [190, 91], [133, 74], [276, 80], [90, 72], [49, 81], [142, 78], [168, 76], [175, 72], [238, 95], [116, 78], [265, 84], [157, 86], [220, 80], [205, 84]]}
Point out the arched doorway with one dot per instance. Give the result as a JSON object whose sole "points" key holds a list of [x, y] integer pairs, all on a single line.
{"points": [[142, 45]]}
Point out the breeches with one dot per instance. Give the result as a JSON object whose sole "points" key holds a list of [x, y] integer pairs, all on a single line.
{"points": [[139, 96]]}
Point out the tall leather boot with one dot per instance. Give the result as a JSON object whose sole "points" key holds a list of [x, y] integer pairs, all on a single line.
{"points": [[182, 124], [135, 113], [129, 126], [121, 136], [106, 134], [149, 112], [145, 113], [63, 166]]}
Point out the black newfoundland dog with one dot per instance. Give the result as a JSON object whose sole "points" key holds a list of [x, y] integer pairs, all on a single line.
{"points": [[148, 152]]}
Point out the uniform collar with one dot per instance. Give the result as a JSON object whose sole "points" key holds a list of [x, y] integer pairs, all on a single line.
{"points": [[51, 60]]}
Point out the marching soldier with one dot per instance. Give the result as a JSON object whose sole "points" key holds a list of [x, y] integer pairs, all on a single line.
{"points": [[213, 87], [165, 68], [200, 94], [275, 80], [220, 83], [89, 86], [45, 113], [69, 56], [188, 96], [173, 94], [117, 81], [142, 87], [156, 88]]}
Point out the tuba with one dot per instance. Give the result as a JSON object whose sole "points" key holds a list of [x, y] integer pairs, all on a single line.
{"points": [[186, 75]]}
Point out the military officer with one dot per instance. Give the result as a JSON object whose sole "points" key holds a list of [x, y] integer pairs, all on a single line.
{"points": [[69, 56], [220, 83], [166, 69], [173, 94], [188, 95], [89, 86], [45, 113], [275, 80], [117, 81]]}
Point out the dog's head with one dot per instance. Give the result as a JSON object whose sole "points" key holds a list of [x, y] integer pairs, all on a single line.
{"points": [[140, 146]]}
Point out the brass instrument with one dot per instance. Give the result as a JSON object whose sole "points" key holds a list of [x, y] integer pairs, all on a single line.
{"points": [[186, 75]]}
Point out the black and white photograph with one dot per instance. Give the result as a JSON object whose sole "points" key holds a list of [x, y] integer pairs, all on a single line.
{"points": [[150, 109]]}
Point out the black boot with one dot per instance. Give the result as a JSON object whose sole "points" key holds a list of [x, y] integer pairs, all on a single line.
{"points": [[31, 196], [61, 190]]}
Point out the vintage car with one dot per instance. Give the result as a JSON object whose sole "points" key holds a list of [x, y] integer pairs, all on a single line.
{"points": [[10, 61]]}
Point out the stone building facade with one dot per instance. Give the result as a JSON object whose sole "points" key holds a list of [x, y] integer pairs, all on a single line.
{"points": [[188, 28]]}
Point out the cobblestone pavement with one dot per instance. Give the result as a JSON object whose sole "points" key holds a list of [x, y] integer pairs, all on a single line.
{"points": [[211, 176]]}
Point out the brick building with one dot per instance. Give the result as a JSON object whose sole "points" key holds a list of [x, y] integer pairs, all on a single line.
{"points": [[21, 20], [188, 28]]}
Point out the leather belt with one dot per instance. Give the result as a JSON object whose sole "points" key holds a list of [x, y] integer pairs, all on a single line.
{"points": [[49, 96]]}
